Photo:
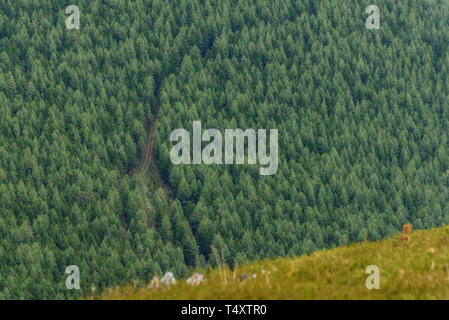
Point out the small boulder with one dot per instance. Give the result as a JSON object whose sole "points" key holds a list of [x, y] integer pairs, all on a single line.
{"points": [[195, 279], [168, 279], [245, 276], [154, 284]]}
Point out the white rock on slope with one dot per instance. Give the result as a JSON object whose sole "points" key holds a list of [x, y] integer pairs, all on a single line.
{"points": [[195, 279], [168, 279]]}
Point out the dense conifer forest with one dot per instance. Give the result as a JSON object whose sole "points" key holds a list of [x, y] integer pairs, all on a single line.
{"points": [[362, 117]]}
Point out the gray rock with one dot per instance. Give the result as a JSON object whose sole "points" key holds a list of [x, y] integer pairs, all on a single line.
{"points": [[168, 279], [245, 276], [154, 284], [195, 279]]}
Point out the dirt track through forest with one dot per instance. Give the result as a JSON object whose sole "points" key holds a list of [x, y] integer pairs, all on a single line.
{"points": [[145, 161], [142, 169]]}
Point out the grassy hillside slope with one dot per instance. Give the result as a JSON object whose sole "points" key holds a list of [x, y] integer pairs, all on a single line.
{"points": [[413, 269]]}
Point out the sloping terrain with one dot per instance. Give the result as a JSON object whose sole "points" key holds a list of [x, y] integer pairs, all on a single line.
{"points": [[413, 269], [362, 117]]}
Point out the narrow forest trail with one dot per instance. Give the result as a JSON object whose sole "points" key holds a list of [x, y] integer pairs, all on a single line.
{"points": [[147, 157], [145, 161]]}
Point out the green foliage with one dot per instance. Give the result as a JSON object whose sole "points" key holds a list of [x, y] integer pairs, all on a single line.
{"points": [[361, 114]]}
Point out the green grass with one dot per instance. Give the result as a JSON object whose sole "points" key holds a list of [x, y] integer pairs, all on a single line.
{"points": [[413, 269]]}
